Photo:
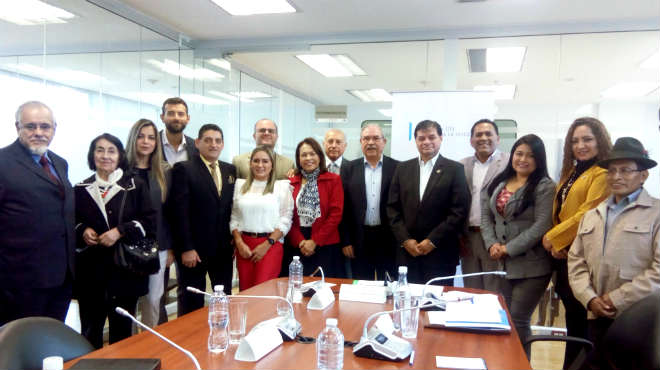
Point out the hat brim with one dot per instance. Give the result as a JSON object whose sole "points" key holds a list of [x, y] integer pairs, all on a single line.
{"points": [[643, 163]]}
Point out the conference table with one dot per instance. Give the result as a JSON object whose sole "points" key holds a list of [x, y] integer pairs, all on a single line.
{"points": [[499, 351]]}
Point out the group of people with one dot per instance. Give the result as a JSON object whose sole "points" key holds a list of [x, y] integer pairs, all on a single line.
{"points": [[596, 229]]}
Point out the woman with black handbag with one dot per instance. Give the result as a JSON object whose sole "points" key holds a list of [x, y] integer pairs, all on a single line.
{"points": [[113, 213]]}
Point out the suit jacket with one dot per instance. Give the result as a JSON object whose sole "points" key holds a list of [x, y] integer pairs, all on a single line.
{"points": [[628, 265], [587, 191], [355, 201], [520, 232], [37, 242], [199, 216], [191, 149], [439, 216], [95, 265], [163, 234], [325, 228], [282, 166]]}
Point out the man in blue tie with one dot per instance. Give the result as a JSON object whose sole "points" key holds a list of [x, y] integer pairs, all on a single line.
{"points": [[36, 221]]}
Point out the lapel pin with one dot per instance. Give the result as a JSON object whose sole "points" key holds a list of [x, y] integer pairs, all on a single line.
{"points": [[231, 179], [438, 171]]}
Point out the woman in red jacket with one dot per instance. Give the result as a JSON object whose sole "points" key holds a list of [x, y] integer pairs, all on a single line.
{"points": [[319, 202]]}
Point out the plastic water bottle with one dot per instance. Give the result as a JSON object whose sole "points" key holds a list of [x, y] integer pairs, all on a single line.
{"points": [[295, 279], [330, 347], [218, 320], [401, 295]]}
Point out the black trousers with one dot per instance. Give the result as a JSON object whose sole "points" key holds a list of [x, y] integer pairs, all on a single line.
{"points": [[424, 268], [576, 314], [96, 306], [378, 254], [597, 328], [220, 270], [19, 302]]}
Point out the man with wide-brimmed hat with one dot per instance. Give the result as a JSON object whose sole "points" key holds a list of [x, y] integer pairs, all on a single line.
{"points": [[615, 258]]}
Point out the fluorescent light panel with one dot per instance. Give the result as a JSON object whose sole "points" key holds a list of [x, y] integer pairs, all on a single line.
{"points": [[57, 74], [337, 65], [201, 99], [251, 7], [386, 112], [371, 95], [33, 12], [183, 71], [629, 90], [652, 62], [501, 92], [251, 94], [494, 60], [220, 63], [229, 97]]}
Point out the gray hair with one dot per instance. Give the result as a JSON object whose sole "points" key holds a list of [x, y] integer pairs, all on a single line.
{"points": [[382, 135], [33, 104], [266, 119]]}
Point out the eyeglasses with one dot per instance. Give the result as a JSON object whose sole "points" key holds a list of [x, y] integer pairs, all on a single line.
{"points": [[375, 139], [34, 126], [266, 130], [625, 171]]}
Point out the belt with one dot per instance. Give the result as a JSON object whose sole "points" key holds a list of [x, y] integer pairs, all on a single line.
{"points": [[475, 229], [255, 235]]}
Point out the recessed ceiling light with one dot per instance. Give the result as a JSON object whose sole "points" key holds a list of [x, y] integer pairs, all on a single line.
{"points": [[251, 7], [386, 112], [372, 95], [183, 71], [33, 12], [220, 63], [652, 62], [337, 65], [201, 99], [502, 92], [494, 60], [251, 94], [629, 90]]}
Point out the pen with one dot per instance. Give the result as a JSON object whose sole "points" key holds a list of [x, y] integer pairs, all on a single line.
{"points": [[462, 299], [412, 358]]}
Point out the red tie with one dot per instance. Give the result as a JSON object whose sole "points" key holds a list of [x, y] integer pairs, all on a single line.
{"points": [[44, 164]]}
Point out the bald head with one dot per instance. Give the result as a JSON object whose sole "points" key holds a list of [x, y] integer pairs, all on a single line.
{"points": [[265, 132], [334, 143]]}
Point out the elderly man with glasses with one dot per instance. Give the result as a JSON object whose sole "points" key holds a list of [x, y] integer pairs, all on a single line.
{"points": [[265, 133], [36, 221], [615, 258]]}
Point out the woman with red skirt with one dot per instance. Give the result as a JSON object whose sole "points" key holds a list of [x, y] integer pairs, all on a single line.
{"points": [[260, 218]]}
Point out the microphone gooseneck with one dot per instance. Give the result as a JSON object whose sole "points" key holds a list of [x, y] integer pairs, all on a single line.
{"points": [[502, 273]]}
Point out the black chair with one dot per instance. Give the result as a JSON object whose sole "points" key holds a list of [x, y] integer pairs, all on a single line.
{"points": [[633, 339], [24, 343], [587, 346]]}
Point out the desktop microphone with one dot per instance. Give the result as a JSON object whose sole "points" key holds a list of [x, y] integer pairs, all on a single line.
{"points": [[322, 295], [288, 326], [312, 288], [441, 302], [378, 345], [125, 313]]}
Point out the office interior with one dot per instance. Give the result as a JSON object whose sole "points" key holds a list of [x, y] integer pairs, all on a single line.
{"points": [[116, 61]]}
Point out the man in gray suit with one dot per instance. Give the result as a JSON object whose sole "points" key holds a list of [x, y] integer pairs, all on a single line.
{"points": [[265, 133], [480, 169]]}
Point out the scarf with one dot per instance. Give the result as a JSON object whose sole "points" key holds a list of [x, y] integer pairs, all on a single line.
{"points": [[309, 205], [105, 186]]}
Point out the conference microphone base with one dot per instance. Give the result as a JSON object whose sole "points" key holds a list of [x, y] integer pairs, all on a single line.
{"points": [[381, 346]]}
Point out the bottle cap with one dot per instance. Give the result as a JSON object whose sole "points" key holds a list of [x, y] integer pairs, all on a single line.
{"points": [[53, 363], [296, 258], [218, 288], [403, 269], [331, 322]]}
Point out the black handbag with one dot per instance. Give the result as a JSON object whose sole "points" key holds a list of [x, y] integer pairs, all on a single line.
{"points": [[138, 256]]}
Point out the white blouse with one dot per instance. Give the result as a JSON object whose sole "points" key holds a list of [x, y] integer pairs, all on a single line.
{"points": [[258, 213]]}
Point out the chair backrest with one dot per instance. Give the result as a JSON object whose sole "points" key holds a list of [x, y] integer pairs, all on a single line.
{"points": [[24, 343], [633, 339]]}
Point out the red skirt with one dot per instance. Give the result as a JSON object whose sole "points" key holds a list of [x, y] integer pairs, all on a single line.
{"points": [[250, 273]]}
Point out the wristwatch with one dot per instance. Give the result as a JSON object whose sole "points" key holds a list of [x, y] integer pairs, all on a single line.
{"points": [[271, 241]]}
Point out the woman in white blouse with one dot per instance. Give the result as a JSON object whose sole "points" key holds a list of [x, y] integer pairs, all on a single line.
{"points": [[260, 218]]}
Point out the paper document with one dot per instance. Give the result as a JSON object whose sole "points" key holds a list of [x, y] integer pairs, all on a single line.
{"points": [[481, 312], [447, 362], [362, 293]]}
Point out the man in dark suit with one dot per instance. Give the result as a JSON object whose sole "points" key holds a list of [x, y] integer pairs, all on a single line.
{"points": [[36, 221], [334, 145], [427, 207], [177, 147], [367, 239], [199, 207]]}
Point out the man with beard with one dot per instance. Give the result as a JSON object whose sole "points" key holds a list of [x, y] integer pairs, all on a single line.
{"points": [[265, 133], [36, 221], [177, 147]]}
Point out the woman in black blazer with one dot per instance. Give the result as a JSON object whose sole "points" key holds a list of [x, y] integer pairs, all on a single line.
{"points": [[515, 215], [100, 285]]}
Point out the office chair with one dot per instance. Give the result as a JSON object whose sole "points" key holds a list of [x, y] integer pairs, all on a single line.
{"points": [[587, 346], [633, 339], [24, 343]]}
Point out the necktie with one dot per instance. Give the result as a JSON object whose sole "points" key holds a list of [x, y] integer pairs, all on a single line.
{"points": [[334, 168], [44, 164], [214, 175]]}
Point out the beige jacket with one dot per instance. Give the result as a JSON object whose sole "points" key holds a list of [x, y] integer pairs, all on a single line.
{"points": [[629, 268], [282, 166]]}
